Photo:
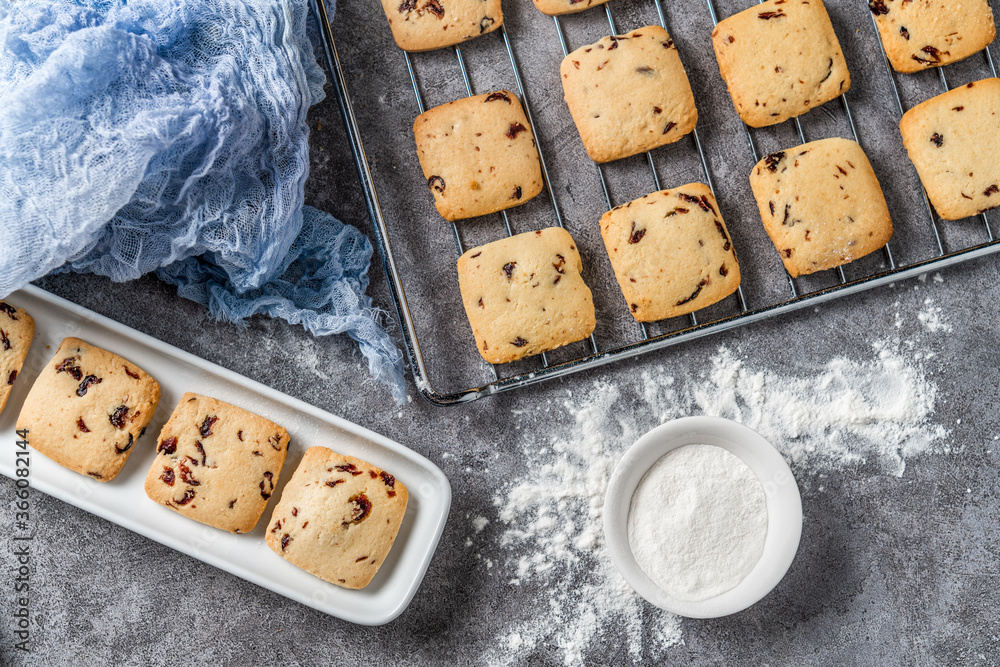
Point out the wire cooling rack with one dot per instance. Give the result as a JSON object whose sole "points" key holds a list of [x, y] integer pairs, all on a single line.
{"points": [[494, 379]]}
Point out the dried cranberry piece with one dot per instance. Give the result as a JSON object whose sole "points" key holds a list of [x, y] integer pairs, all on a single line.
{"points": [[86, 384], [671, 125], [188, 497], [80, 424], [4, 340], [767, 16], [295, 511], [275, 441], [12, 377], [515, 129], [992, 190], [168, 476], [408, 5], [694, 295], [285, 540], [201, 450], [431, 183], [185, 471], [519, 342], [269, 480], [388, 479], [772, 160], [362, 508], [168, 446], [334, 482], [206, 426], [9, 309], [701, 202], [239, 434], [493, 97], [517, 192], [937, 140], [117, 418], [878, 7], [561, 263], [508, 269], [128, 446], [636, 235], [679, 209], [277, 526], [349, 467], [96, 475], [669, 44], [485, 24], [435, 8], [904, 32], [128, 371], [68, 365], [232, 502], [723, 271]]}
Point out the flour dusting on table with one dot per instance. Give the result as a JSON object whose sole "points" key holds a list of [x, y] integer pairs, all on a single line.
{"points": [[876, 411]]}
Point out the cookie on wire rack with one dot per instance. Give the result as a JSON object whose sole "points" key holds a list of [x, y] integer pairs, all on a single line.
{"points": [[821, 204], [628, 94], [780, 59], [524, 295], [932, 33], [954, 142], [671, 252], [425, 25], [478, 155]]}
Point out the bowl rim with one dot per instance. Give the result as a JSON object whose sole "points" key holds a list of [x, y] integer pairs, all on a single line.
{"points": [[783, 501]]}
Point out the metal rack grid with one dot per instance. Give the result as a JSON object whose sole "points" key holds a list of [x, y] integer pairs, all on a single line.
{"points": [[646, 343]]}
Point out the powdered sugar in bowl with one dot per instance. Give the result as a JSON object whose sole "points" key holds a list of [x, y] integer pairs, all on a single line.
{"points": [[716, 523]]}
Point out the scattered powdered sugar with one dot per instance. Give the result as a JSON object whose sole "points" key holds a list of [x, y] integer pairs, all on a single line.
{"points": [[930, 317], [876, 411]]}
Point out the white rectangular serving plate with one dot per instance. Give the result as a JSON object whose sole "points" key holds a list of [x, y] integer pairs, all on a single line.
{"points": [[123, 499]]}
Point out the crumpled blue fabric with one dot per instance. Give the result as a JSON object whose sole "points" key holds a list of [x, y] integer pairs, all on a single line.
{"points": [[171, 136]]}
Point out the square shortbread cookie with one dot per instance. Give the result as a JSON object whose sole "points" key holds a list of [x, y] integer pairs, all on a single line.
{"points": [[524, 295], [954, 142], [931, 33], [17, 329], [821, 204], [337, 518], [556, 7], [216, 463], [628, 94], [671, 252], [423, 25], [780, 59], [478, 155], [88, 408]]}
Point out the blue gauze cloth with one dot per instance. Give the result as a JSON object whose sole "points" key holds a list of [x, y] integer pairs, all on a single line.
{"points": [[171, 136]]}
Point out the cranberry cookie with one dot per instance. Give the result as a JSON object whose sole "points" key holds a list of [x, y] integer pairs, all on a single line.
{"points": [[478, 155], [628, 94], [671, 252], [217, 463], [524, 295], [16, 331], [337, 518], [88, 408], [821, 204], [780, 59]]}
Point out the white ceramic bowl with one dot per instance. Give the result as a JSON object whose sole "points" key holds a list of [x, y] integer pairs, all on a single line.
{"points": [[784, 510]]}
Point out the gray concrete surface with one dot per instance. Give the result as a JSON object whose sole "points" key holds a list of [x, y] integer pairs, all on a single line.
{"points": [[891, 571]]}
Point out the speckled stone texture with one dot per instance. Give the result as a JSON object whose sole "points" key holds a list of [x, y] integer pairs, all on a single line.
{"points": [[890, 571]]}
